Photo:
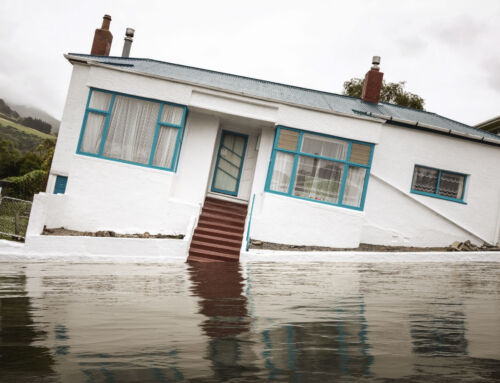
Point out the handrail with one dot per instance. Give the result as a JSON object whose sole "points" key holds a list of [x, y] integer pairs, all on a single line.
{"points": [[250, 222]]}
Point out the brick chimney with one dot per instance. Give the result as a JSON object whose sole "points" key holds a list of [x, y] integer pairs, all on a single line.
{"points": [[373, 82], [102, 38]]}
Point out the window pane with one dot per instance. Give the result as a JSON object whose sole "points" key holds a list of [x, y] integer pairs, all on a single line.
{"points": [[225, 182], [172, 114], [131, 129], [425, 180], [288, 139], [318, 179], [93, 133], [100, 100], [282, 172], [324, 146], [354, 186], [165, 147], [360, 154], [451, 185]]}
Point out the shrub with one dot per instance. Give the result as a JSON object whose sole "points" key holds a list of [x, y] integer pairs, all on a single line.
{"points": [[24, 187]]}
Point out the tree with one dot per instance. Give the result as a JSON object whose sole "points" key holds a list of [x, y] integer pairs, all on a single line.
{"points": [[392, 92]]}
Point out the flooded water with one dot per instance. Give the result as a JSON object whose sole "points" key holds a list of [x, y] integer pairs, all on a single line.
{"points": [[320, 322]]}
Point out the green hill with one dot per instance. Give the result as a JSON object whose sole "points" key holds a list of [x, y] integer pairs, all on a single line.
{"points": [[24, 139]]}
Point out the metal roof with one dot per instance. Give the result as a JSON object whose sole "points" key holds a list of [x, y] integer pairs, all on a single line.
{"points": [[287, 93]]}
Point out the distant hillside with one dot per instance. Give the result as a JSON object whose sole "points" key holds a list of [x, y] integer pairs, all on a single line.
{"points": [[30, 111], [24, 139]]}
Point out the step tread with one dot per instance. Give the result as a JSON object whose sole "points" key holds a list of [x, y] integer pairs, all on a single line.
{"points": [[213, 210], [214, 246], [205, 237], [193, 258], [221, 233], [223, 226], [222, 217], [213, 255]]}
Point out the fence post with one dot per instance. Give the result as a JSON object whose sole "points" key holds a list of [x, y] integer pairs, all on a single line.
{"points": [[16, 223]]}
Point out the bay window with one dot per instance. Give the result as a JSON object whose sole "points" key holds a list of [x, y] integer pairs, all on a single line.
{"points": [[320, 168]]}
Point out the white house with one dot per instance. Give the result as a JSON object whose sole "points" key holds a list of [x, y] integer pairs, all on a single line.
{"points": [[143, 143]]}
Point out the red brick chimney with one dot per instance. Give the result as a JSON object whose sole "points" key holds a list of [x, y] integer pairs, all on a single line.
{"points": [[102, 38], [373, 82]]}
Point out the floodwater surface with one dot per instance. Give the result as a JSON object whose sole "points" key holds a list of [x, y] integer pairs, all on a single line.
{"points": [[316, 322]]}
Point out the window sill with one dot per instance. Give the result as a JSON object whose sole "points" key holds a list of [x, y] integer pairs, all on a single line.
{"points": [[437, 196]]}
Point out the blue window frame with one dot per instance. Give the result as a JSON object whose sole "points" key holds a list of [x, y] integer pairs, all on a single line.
{"points": [[60, 185], [133, 130], [438, 183], [319, 168]]}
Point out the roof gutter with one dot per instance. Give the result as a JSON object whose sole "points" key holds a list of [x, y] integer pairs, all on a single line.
{"points": [[422, 126]]}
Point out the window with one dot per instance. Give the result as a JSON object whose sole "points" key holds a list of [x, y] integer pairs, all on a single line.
{"points": [[60, 185], [132, 130], [319, 168], [439, 183]]}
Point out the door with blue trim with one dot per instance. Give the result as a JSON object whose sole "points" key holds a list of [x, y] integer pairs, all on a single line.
{"points": [[229, 163]]}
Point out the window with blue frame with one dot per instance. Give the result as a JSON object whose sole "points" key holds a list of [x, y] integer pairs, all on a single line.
{"points": [[319, 168], [132, 129], [439, 183], [60, 184]]}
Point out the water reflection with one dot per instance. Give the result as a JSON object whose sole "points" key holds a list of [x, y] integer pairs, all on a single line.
{"points": [[252, 322], [20, 341]]}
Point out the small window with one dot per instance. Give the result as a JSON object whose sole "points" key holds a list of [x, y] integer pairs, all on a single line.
{"points": [[439, 183], [60, 186]]}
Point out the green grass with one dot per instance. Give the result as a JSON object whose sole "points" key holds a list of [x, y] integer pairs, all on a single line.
{"points": [[25, 129]]}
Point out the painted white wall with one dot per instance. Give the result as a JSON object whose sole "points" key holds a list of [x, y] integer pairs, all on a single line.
{"points": [[107, 195], [395, 216]]}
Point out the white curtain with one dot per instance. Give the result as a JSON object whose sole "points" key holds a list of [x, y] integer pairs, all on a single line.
{"points": [[131, 129], [425, 180], [172, 114], [324, 146], [165, 147], [282, 172], [318, 179], [451, 185], [100, 100], [354, 186], [93, 133]]}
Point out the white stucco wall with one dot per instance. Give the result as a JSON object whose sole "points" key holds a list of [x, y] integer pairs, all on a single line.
{"points": [[393, 215], [108, 195]]}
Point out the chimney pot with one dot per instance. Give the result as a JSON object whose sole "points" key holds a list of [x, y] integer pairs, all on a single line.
{"points": [[373, 82], [127, 44], [102, 38]]}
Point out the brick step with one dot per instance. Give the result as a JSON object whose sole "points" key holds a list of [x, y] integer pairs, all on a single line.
{"points": [[193, 258], [234, 250], [225, 209], [201, 253], [223, 219], [225, 212], [217, 225], [217, 240], [205, 231], [225, 204]]}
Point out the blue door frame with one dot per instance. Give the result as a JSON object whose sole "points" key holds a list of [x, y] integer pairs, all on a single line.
{"points": [[213, 188]]}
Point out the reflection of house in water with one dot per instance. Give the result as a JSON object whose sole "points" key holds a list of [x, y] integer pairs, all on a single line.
{"points": [[20, 359], [219, 287]]}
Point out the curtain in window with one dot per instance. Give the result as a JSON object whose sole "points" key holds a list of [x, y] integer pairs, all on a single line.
{"points": [[172, 114], [318, 179], [451, 185], [425, 180], [282, 173], [93, 133], [131, 129], [165, 147], [354, 186], [324, 146], [100, 100]]}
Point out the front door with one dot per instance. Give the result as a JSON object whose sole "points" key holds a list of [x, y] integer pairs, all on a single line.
{"points": [[229, 163]]}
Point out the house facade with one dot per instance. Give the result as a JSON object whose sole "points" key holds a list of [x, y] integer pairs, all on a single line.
{"points": [[143, 143]]}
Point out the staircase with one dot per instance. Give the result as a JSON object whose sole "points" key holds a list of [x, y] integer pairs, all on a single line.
{"points": [[219, 233]]}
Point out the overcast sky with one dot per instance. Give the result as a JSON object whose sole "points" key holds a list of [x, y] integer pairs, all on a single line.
{"points": [[448, 52]]}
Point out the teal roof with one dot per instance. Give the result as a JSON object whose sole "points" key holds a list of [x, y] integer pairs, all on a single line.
{"points": [[285, 93]]}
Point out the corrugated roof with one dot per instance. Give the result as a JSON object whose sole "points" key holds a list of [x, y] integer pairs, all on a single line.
{"points": [[284, 93]]}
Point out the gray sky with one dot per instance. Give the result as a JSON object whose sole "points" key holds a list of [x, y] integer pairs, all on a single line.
{"points": [[448, 52]]}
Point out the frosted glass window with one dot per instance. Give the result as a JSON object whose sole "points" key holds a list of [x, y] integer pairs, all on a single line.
{"points": [[100, 100], [93, 133], [282, 172], [172, 114]]}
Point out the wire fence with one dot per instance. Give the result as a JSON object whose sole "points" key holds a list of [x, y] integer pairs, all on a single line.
{"points": [[14, 216]]}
